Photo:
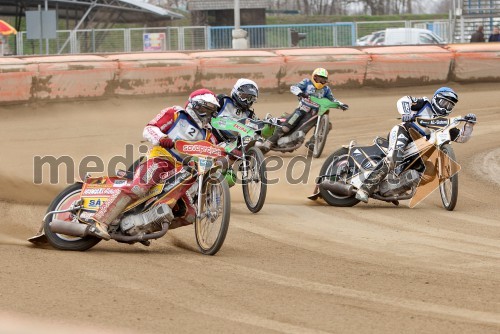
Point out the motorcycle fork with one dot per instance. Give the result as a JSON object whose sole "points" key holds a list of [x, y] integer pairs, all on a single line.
{"points": [[200, 188], [318, 119], [202, 197]]}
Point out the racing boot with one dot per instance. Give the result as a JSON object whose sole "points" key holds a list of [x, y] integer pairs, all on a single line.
{"points": [[108, 212], [310, 144], [266, 146], [371, 182]]}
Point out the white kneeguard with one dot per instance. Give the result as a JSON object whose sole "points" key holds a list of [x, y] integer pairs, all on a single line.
{"points": [[397, 142]]}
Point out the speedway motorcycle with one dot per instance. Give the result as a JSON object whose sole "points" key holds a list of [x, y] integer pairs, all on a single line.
{"points": [[424, 160], [194, 192], [243, 134], [319, 120]]}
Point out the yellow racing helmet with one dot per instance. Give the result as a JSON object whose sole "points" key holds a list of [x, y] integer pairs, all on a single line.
{"points": [[320, 78]]}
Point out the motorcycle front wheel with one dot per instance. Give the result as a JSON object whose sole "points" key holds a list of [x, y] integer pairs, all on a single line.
{"points": [[64, 201], [255, 183], [448, 182], [212, 221], [321, 135]]}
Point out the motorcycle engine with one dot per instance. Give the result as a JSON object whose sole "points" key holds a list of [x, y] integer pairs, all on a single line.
{"points": [[395, 186], [148, 221], [292, 139]]}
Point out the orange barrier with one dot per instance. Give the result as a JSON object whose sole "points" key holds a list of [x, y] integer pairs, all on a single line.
{"points": [[70, 77], [84, 76], [219, 70], [16, 76], [476, 62], [154, 73], [347, 67], [407, 65]]}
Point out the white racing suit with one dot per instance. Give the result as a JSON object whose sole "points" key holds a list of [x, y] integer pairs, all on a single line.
{"points": [[229, 109], [399, 137]]}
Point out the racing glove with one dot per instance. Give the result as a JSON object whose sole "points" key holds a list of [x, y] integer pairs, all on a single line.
{"points": [[343, 106], [471, 117], [166, 142], [408, 118], [303, 95]]}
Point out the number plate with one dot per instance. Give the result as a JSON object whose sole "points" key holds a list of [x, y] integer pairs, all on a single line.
{"points": [[204, 164]]}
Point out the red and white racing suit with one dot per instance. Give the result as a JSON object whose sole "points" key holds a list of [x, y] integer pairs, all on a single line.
{"points": [[173, 122]]}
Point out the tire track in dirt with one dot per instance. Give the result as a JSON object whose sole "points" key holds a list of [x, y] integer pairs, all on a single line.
{"points": [[431, 309], [296, 267]]}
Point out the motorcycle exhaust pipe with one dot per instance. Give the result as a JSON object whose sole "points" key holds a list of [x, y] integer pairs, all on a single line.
{"points": [[338, 188], [69, 228]]}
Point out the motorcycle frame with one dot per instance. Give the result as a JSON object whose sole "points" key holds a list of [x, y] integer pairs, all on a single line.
{"points": [[422, 151]]}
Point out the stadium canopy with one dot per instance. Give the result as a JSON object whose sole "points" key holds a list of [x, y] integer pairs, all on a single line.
{"points": [[95, 13]]}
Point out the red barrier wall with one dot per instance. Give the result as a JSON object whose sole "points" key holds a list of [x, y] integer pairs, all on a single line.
{"points": [[84, 76], [154, 73], [346, 67], [407, 65], [16, 76], [219, 70], [69, 77], [476, 62]]}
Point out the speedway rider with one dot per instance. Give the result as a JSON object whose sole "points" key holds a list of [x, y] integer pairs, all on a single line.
{"points": [[172, 123], [316, 86], [244, 94], [409, 107]]}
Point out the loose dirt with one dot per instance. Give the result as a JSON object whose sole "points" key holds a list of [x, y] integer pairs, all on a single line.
{"points": [[295, 267]]}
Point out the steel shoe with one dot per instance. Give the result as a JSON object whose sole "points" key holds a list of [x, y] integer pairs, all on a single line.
{"points": [[362, 195]]}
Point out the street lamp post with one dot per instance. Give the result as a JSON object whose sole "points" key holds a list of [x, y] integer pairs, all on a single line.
{"points": [[239, 35]]}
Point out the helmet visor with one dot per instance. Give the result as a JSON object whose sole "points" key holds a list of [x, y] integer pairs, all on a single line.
{"points": [[320, 79], [245, 97], [206, 107], [446, 104]]}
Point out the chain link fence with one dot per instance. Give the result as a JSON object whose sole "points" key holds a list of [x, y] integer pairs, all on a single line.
{"points": [[208, 38]]}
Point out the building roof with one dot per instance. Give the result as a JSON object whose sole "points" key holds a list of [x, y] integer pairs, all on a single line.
{"points": [[225, 4], [108, 11]]}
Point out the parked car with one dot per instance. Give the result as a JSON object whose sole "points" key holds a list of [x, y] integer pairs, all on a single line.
{"points": [[363, 40], [375, 36], [410, 36]]}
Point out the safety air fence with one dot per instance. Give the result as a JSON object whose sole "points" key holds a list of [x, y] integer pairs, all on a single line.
{"points": [[52, 78]]}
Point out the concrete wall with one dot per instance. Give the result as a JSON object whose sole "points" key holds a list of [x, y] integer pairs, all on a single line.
{"points": [[90, 76]]}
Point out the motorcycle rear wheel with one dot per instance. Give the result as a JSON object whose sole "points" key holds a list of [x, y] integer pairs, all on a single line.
{"points": [[255, 184], [448, 184], [331, 167], [61, 241], [211, 228]]}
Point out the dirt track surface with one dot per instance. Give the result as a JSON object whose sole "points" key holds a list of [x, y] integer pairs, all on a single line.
{"points": [[296, 267]]}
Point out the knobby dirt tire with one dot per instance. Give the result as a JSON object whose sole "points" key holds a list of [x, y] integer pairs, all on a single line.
{"points": [[202, 226], [61, 241], [320, 141], [256, 159], [448, 186]]}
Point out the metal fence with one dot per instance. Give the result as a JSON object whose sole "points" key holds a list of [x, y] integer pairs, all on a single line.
{"points": [[205, 38]]}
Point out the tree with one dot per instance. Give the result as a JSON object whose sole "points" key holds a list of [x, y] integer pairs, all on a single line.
{"points": [[346, 7]]}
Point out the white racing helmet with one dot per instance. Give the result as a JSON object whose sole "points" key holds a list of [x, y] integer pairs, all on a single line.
{"points": [[444, 101], [244, 93]]}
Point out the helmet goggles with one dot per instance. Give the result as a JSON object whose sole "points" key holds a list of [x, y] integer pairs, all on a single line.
{"points": [[444, 103], [320, 79], [204, 107], [245, 97]]}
